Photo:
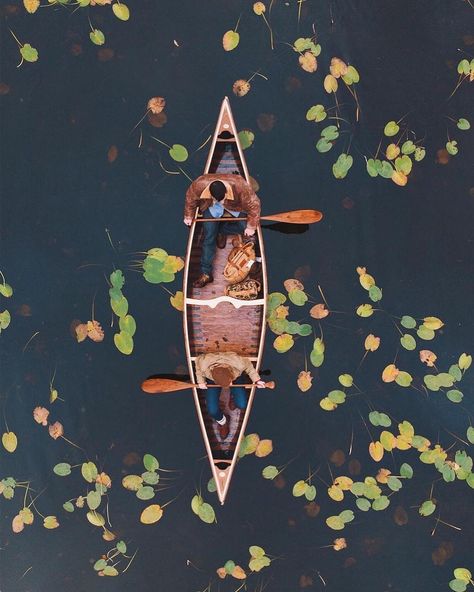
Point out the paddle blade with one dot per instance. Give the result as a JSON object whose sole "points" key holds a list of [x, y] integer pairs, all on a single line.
{"points": [[155, 386], [270, 384], [296, 217]]}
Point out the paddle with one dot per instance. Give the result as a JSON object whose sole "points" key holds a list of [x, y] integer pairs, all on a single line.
{"points": [[291, 217], [155, 386]]}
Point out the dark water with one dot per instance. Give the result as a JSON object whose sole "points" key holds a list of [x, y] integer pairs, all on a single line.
{"points": [[60, 194]]}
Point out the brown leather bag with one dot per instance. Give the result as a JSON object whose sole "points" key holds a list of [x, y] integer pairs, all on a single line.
{"points": [[239, 261]]}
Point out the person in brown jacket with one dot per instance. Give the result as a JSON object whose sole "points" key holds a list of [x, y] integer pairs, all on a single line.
{"points": [[214, 195], [223, 369]]}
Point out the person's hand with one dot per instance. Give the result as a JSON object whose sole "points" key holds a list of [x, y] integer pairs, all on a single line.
{"points": [[202, 385], [188, 221], [249, 231], [260, 384]]}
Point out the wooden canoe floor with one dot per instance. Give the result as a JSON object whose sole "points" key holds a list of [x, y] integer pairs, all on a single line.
{"points": [[224, 328]]}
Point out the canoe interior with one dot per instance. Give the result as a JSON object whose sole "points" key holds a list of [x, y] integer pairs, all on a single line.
{"points": [[223, 328]]}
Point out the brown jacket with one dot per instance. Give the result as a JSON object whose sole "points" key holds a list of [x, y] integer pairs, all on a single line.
{"points": [[238, 365], [240, 197]]}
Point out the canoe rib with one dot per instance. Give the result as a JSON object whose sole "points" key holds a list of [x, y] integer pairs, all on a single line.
{"points": [[214, 322]]}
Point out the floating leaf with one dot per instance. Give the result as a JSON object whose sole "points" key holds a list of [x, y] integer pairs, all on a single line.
{"points": [[371, 343], [341, 167], [230, 40], [455, 396], [463, 124], [299, 488], [399, 178], [178, 153], [95, 331], [327, 404], [408, 147], [93, 500], [264, 448], [391, 129], [241, 87], [56, 430], [380, 503], [319, 311], [29, 53], [259, 8], [330, 84], [145, 492], [246, 138], [425, 333], [376, 451], [465, 361], [337, 396], [31, 6], [420, 154], [123, 342], [177, 300], [392, 151], [151, 514], [406, 471], [50, 522], [408, 322], [335, 522], [62, 469], [308, 62], [461, 573], [316, 113], [156, 105], [9, 441], [428, 357], [346, 380], [128, 325], [304, 381], [270, 472], [6, 290], [97, 37], [390, 373], [330, 132], [89, 471], [375, 293], [365, 310], [132, 482], [5, 319], [427, 508], [298, 297], [433, 323], [283, 343], [206, 513], [452, 147], [121, 11], [322, 145], [351, 76]]}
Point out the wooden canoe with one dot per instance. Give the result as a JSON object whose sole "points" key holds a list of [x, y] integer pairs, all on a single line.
{"points": [[214, 322]]}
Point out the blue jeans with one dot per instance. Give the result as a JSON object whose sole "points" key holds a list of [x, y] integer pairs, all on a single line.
{"points": [[213, 393], [211, 230]]}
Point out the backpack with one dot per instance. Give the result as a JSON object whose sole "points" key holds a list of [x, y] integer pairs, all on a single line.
{"points": [[240, 260]]}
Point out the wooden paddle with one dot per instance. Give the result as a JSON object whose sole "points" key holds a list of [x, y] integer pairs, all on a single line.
{"points": [[291, 217], [155, 386]]}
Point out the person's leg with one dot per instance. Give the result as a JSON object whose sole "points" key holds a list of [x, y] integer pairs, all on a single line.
{"points": [[239, 393], [209, 243], [212, 402]]}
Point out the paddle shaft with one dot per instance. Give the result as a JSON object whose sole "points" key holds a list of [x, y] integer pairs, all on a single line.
{"points": [[292, 217], [164, 385]]}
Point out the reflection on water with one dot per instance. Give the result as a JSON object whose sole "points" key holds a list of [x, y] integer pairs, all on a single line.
{"points": [[61, 117]]}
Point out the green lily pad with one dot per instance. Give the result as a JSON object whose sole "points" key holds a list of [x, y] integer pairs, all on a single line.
{"points": [[62, 469], [270, 472], [330, 133], [145, 492], [5, 319], [425, 333], [206, 513], [121, 11], [381, 503], [322, 145], [372, 167], [298, 297], [29, 53], [120, 307], [452, 147], [420, 154], [123, 342], [178, 153], [127, 324], [246, 138], [408, 342], [97, 37], [391, 129], [6, 290], [150, 462], [463, 124], [375, 293], [363, 504], [427, 508], [455, 396]]}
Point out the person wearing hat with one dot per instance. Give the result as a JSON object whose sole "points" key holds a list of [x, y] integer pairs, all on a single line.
{"points": [[222, 369], [216, 195]]}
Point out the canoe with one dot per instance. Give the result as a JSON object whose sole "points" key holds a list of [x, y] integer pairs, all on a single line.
{"points": [[214, 322]]}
